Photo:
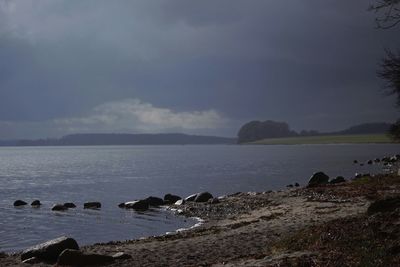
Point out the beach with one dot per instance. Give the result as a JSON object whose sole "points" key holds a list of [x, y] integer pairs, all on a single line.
{"points": [[294, 227]]}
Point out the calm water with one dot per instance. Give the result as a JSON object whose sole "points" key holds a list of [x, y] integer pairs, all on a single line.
{"points": [[116, 174]]}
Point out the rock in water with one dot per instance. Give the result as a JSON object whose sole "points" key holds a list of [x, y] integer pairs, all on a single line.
{"points": [[384, 205], [339, 179], [92, 205], [203, 197], [318, 178], [154, 201], [50, 250], [191, 197], [171, 199], [36, 203], [71, 257], [137, 205], [59, 207], [296, 184], [19, 203], [70, 205], [121, 205]]}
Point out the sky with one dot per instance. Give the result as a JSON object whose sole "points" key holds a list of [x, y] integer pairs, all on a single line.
{"points": [[197, 67]]}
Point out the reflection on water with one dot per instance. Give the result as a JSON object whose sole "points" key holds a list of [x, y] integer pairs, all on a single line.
{"points": [[113, 175]]}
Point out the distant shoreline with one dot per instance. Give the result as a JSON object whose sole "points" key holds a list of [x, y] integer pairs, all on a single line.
{"points": [[327, 140]]}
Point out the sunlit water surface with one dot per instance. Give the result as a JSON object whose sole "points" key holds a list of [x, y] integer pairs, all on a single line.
{"points": [[121, 173]]}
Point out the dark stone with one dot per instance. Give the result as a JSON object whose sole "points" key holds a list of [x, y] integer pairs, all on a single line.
{"points": [[19, 203], [121, 256], [36, 203], [339, 179], [92, 205], [384, 205], [355, 161], [296, 184], [377, 160], [154, 201], [137, 205], [50, 250], [289, 186], [203, 197], [71, 257], [32, 260], [171, 199], [191, 197], [59, 207], [121, 205], [70, 205], [369, 162], [318, 178], [213, 201]]}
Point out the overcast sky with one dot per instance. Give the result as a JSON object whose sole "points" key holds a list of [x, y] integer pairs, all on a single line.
{"points": [[202, 67]]}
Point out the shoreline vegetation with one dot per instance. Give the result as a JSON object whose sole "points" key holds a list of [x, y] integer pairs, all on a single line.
{"points": [[350, 223], [327, 139]]}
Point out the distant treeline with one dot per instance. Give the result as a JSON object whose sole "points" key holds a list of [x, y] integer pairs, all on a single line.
{"points": [[123, 139], [258, 130]]}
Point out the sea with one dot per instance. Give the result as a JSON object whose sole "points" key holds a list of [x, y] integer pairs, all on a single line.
{"points": [[115, 174]]}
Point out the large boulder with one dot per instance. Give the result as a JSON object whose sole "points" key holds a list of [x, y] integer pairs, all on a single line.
{"points": [[140, 205], [92, 205], [318, 178], [203, 197], [19, 203], [59, 207], [50, 250], [154, 201], [71, 257], [171, 199], [384, 205]]}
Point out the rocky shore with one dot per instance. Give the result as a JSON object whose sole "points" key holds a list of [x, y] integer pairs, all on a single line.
{"points": [[353, 223]]}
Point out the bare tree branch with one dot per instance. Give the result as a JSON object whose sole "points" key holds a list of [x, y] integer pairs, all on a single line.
{"points": [[389, 13]]}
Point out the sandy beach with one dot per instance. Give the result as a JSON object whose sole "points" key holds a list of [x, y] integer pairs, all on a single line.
{"points": [[295, 227]]}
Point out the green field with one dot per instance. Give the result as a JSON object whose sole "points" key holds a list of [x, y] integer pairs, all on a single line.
{"points": [[327, 139]]}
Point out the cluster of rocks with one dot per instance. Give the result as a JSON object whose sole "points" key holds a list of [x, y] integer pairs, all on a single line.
{"points": [[64, 251], [320, 178], [169, 199], [291, 185], [59, 207], [388, 160]]}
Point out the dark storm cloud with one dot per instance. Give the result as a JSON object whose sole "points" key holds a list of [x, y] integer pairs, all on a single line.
{"points": [[310, 63]]}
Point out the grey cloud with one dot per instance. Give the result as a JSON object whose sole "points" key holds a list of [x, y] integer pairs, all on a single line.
{"points": [[285, 60]]}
